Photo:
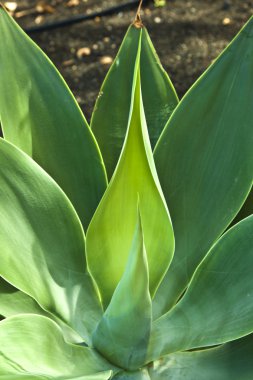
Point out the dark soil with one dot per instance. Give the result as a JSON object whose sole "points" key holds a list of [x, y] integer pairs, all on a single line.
{"points": [[187, 35]]}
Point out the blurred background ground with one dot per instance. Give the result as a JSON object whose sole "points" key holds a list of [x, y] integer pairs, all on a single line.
{"points": [[187, 35]]}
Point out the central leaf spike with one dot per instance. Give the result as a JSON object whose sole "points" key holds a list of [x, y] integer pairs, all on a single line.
{"points": [[111, 230]]}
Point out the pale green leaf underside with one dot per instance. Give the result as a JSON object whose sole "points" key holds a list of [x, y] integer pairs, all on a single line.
{"points": [[218, 305], [231, 361], [13, 301], [42, 241], [122, 335], [159, 97], [39, 115], [23, 377], [110, 233], [204, 161], [34, 345], [98, 376], [142, 374]]}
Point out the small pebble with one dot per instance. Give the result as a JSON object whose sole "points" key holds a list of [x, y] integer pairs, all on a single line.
{"points": [[11, 5], [106, 60], [157, 20], [226, 21], [83, 52], [73, 3], [38, 20], [69, 62]]}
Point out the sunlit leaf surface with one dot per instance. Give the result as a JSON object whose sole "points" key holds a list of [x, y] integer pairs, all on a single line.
{"points": [[39, 115], [42, 242], [34, 345]]}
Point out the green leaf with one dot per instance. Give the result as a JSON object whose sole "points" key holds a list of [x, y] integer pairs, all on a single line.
{"points": [[110, 233], [42, 242], [204, 161], [122, 335], [141, 374], [114, 101], [23, 377], [39, 115], [13, 301], [218, 305], [97, 376], [34, 345], [159, 96], [231, 361]]}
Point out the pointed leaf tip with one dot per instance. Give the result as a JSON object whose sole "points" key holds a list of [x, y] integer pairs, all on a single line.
{"points": [[159, 96]]}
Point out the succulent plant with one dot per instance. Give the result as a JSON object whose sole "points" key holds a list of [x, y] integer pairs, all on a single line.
{"points": [[148, 276]]}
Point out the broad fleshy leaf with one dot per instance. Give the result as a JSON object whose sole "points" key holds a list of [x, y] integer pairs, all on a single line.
{"points": [[141, 374], [34, 345], [98, 376], [23, 377], [42, 242], [13, 301], [159, 97], [110, 233], [114, 100], [231, 361], [204, 161], [218, 305], [39, 114], [122, 335]]}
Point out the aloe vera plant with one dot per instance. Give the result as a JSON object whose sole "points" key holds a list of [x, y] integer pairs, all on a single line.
{"points": [[139, 278]]}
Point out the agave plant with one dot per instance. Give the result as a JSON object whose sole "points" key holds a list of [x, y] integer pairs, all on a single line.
{"points": [[98, 281]]}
